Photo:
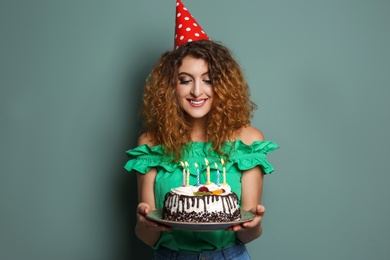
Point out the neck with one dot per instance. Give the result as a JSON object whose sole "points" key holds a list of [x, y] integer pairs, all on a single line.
{"points": [[199, 130]]}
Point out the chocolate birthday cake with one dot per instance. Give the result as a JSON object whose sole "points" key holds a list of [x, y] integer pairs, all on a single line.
{"points": [[204, 203]]}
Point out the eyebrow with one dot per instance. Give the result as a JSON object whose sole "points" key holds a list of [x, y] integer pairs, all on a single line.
{"points": [[188, 74]]}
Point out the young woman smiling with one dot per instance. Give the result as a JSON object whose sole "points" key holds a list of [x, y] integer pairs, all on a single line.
{"points": [[196, 104]]}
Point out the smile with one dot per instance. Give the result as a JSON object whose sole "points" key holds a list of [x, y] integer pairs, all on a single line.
{"points": [[197, 102]]}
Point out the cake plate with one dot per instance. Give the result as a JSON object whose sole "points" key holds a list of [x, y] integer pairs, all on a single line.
{"points": [[155, 215]]}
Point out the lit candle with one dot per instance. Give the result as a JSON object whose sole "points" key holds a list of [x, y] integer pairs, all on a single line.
{"points": [[207, 171], [188, 173], [223, 171], [216, 166], [184, 174], [197, 174]]}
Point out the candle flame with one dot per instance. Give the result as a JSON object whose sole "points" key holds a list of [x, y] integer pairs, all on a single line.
{"points": [[182, 164], [222, 161], [216, 165], [196, 165], [186, 163], [206, 161]]}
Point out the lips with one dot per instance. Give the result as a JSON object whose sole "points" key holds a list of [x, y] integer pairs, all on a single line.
{"points": [[197, 102]]}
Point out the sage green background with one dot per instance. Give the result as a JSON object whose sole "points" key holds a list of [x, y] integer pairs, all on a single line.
{"points": [[70, 86]]}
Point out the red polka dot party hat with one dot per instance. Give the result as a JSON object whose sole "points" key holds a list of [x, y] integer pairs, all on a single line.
{"points": [[187, 28]]}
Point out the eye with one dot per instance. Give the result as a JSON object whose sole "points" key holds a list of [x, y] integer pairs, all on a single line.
{"points": [[184, 81], [208, 81]]}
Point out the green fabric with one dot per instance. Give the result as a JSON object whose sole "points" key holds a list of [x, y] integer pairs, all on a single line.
{"points": [[169, 175]]}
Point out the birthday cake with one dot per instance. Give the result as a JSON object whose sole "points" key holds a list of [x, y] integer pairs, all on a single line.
{"points": [[203, 203]]}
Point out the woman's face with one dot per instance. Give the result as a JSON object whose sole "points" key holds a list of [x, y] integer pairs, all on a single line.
{"points": [[194, 89]]}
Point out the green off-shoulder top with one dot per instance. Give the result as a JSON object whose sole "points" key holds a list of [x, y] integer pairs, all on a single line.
{"points": [[241, 157]]}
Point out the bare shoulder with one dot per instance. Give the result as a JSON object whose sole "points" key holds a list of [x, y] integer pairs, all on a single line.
{"points": [[249, 134], [145, 138]]}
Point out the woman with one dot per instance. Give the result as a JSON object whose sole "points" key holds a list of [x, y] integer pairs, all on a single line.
{"points": [[196, 104]]}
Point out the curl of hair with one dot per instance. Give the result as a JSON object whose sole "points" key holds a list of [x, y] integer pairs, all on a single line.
{"points": [[164, 120]]}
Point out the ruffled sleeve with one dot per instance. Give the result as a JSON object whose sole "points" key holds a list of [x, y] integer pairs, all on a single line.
{"points": [[248, 156], [143, 158]]}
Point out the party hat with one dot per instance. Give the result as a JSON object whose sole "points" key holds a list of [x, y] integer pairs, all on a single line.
{"points": [[187, 28]]}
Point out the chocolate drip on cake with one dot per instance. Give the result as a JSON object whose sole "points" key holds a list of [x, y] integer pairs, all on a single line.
{"points": [[186, 208]]}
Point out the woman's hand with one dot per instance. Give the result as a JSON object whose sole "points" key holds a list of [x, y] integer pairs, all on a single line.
{"points": [[253, 225], [142, 210]]}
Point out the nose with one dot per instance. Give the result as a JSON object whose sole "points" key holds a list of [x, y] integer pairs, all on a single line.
{"points": [[196, 89]]}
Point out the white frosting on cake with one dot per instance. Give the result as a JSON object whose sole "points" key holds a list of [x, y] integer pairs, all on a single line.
{"points": [[189, 190]]}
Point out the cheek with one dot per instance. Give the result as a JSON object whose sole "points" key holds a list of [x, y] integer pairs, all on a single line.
{"points": [[210, 92], [179, 92], [179, 98]]}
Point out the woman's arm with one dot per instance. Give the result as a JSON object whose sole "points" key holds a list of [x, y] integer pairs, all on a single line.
{"points": [[148, 231], [252, 183], [251, 191]]}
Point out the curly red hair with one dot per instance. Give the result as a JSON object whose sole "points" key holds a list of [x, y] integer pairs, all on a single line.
{"points": [[164, 120]]}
